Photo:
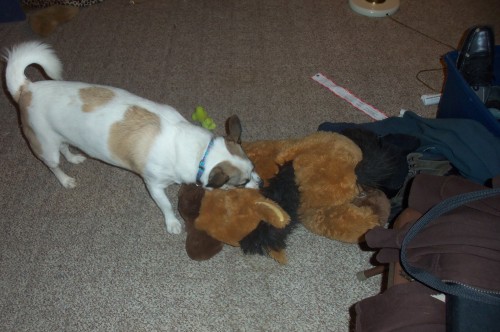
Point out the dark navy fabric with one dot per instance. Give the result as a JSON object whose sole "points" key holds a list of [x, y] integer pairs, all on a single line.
{"points": [[467, 144]]}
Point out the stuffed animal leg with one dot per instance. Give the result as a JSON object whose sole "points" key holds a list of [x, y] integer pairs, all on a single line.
{"points": [[199, 245]]}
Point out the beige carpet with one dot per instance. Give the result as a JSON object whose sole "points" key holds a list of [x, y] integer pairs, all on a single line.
{"points": [[97, 258]]}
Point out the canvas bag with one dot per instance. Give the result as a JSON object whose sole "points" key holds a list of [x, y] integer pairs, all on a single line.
{"points": [[461, 245], [467, 308]]}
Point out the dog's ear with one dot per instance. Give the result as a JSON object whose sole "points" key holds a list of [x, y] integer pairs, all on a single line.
{"points": [[233, 129], [217, 177]]}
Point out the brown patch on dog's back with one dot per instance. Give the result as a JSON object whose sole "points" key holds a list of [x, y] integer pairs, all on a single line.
{"points": [[131, 138], [25, 98], [95, 96]]}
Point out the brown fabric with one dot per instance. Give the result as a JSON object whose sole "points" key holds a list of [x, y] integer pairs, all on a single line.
{"points": [[391, 241], [427, 191], [462, 245], [406, 308]]}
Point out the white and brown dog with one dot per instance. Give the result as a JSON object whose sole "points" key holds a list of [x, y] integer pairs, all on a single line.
{"points": [[119, 128]]}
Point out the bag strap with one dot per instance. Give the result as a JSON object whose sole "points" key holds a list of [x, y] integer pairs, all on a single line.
{"points": [[432, 281]]}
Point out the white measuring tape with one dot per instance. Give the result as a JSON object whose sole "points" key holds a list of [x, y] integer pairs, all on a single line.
{"points": [[349, 97]]}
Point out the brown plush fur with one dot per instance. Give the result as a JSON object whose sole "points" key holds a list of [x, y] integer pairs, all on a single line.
{"points": [[263, 155], [332, 202], [377, 201]]}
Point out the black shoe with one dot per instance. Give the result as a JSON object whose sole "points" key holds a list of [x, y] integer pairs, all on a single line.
{"points": [[475, 59]]}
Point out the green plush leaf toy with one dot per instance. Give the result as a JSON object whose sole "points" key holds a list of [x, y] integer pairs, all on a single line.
{"points": [[201, 116]]}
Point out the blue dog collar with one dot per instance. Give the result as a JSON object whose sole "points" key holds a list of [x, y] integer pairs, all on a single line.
{"points": [[201, 166]]}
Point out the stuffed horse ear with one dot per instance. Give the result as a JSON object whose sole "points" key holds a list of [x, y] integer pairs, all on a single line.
{"points": [[269, 237], [271, 213], [199, 245]]}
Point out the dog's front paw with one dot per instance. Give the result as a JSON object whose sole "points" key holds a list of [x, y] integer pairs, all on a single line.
{"points": [[174, 226], [69, 182]]}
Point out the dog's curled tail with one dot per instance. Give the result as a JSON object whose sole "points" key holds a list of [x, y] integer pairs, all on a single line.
{"points": [[21, 56]]}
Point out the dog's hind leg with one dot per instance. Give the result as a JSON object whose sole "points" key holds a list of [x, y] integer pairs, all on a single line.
{"points": [[158, 194], [50, 156], [47, 150], [71, 157]]}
